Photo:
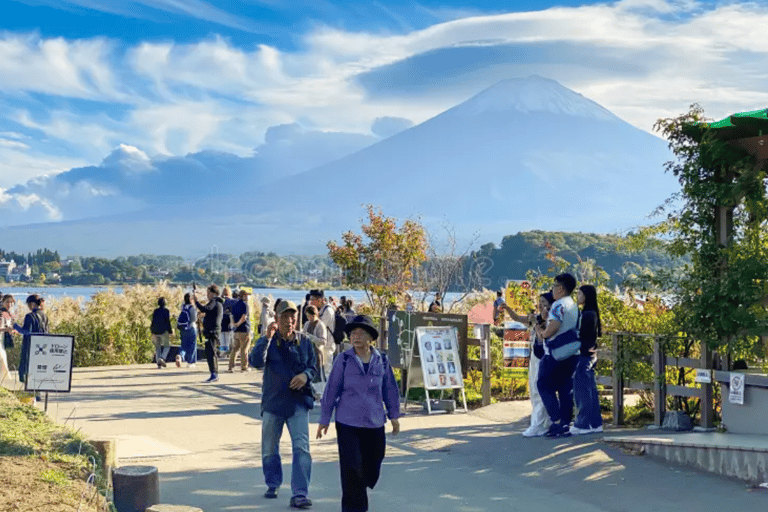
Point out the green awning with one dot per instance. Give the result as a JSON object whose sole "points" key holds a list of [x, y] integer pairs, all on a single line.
{"points": [[736, 126]]}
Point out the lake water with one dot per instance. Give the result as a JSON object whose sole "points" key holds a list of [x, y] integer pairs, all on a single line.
{"points": [[86, 292]]}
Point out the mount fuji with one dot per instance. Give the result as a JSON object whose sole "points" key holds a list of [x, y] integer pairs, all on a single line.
{"points": [[523, 154]]}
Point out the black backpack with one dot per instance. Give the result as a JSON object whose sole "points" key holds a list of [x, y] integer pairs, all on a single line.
{"points": [[339, 323]]}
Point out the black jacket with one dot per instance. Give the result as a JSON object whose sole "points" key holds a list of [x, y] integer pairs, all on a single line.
{"points": [[214, 312], [161, 321], [588, 332]]}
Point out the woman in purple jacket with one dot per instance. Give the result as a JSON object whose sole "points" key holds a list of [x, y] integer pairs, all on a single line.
{"points": [[360, 386]]}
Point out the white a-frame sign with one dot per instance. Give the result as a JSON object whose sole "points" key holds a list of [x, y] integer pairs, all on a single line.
{"points": [[437, 350]]}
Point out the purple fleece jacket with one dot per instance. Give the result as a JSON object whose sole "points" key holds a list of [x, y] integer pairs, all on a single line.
{"points": [[360, 398]]}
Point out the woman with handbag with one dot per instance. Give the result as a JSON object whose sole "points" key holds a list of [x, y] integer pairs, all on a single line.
{"points": [[6, 326], [588, 419], [561, 355], [361, 380]]}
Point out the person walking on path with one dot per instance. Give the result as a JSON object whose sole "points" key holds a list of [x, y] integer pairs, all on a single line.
{"points": [[161, 332], [325, 311], [539, 418], [6, 327], [319, 336], [288, 359], [360, 382], [555, 381], [242, 327], [213, 312], [35, 322], [186, 323], [588, 418]]}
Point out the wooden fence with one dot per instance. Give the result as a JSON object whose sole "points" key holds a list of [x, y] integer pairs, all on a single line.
{"points": [[659, 361]]}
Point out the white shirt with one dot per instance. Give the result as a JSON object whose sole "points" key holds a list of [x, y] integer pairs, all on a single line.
{"points": [[328, 316], [566, 312]]}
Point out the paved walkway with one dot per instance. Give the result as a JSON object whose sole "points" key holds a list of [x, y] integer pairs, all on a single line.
{"points": [[204, 439]]}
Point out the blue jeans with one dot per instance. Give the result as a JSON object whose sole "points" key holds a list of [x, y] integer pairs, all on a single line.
{"points": [[298, 428], [585, 392], [188, 349], [556, 387]]}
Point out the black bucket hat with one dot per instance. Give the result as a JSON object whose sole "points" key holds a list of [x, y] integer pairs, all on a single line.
{"points": [[363, 322]]}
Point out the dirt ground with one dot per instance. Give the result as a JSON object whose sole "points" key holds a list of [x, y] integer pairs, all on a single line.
{"points": [[31, 484]]}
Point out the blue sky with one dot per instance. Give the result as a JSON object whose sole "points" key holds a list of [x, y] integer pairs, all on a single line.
{"points": [[288, 85]]}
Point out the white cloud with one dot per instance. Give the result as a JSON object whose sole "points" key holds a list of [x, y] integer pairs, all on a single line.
{"points": [[183, 98], [14, 144], [76, 69]]}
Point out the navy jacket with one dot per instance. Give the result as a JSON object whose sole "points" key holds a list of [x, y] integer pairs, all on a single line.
{"points": [[282, 360], [239, 309], [161, 321]]}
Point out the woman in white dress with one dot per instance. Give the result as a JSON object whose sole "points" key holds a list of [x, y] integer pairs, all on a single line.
{"points": [[539, 417]]}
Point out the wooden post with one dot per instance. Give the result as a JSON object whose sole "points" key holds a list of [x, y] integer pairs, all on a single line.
{"points": [[659, 383], [707, 414], [383, 334], [618, 381], [485, 361]]}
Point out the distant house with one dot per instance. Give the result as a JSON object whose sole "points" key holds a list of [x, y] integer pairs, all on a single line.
{"points": [[19, 272], [6, 267]]}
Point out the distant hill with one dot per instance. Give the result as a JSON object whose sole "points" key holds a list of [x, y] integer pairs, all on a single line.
{"points": [[517, 254]]}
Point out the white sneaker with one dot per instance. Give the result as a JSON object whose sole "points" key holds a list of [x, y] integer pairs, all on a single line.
{"points": [[534, 431], [576, 431]]}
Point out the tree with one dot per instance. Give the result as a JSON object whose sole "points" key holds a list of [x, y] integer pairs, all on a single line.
{"points": [[718, 219], [382, 260]]}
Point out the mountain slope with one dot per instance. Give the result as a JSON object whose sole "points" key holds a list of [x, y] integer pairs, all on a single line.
{"points": [[523, 154]]}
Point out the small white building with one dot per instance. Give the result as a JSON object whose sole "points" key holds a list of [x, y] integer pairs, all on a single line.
{"points": [[19, 271], [6, 267]]}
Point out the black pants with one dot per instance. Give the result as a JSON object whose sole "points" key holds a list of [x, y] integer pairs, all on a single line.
{"points": [[361, 451], [211, 352]]}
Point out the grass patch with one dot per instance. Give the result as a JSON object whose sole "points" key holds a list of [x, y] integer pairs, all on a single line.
{"points": [[54, 476], [43, 465]]}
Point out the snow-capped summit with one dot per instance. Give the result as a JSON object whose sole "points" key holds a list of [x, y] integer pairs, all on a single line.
{"points": [[532, 94], [128, 159]]}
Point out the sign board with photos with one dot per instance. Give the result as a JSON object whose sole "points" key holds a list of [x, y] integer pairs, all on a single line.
{"points": [[439, 350], [51, 357]]}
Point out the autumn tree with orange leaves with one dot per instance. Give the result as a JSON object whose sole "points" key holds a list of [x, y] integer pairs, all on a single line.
{"points": [[383, 259]]}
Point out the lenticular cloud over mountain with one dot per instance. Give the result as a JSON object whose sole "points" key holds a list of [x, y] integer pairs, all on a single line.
{"points": [[522, 154]]}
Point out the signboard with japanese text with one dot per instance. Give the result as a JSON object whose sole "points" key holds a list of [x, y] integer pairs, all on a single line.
{"points": [[51, 357]]}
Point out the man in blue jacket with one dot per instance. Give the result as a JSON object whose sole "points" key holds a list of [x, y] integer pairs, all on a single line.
{"points": [[288, 359]]}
